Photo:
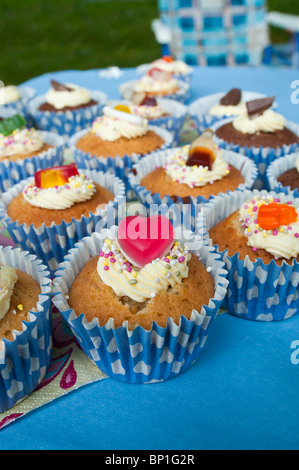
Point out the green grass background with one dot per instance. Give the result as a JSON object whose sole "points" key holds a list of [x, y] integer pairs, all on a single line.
{"points": [[38, 36]]}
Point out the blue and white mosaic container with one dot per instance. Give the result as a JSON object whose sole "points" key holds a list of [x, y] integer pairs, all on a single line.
{"points": [[25, 360], [51, 243], [138, 356], [276, 169], [69, 122], [256, 291], [12, 172], [262, 156]]}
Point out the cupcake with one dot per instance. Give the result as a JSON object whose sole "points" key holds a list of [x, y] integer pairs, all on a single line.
{"points": [[25, 150], [261, 134], [257, 236], [191, 174], [178, 68], [147, 294], [213, 108], [66, 108], [158, 84], [116, 141], [49, 213], [17, 98], [164, 113], [25, 325], [283, 174]]}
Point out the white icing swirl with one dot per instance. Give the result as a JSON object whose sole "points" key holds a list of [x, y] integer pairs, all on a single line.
{"points": [[176, 67], [220, 110], [297, 164], [147, 112], [21, 141], [193, 176], [156, 87], [62, 99], [8, 278], [140, 285], [282, 242], [122, 125], [9, 94], [77, 189], [269, 121]]}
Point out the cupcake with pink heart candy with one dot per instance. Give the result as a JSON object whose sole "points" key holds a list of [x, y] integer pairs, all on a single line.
{"points": [[140, 298]]}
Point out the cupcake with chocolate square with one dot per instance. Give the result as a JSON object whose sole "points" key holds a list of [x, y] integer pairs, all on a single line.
{"points": [[159, 84], [25, 325], [167, 63], [66, 108], [191, 174], [25, 150], [160, 112], [283, 174], [141, 289], [257, 236], [116, 141], [50, 213], [210, 109], [261, 134], [17, 98]]}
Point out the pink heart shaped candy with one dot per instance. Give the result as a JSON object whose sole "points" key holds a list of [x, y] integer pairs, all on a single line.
{"points": [[141, 239]]}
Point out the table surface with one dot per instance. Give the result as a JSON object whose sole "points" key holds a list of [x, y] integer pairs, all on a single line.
{"points": [[240, 394]]}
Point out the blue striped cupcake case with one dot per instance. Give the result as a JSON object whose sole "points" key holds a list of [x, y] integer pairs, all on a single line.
{"points": [[66, 123], [25, 360], [51, 243], [256, 291], [262, 156], [138, 356], [12, 172], [276, 169]]}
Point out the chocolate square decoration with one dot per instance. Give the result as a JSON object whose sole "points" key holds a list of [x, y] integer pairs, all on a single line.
{"points": [[232, 98], [257, 107]]}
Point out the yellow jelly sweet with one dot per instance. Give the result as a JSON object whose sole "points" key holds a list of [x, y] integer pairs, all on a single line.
{"points": [[123, 108], [52, 178]]}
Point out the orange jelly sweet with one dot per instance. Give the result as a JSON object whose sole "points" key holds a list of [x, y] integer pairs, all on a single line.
{"points": [[272, 216], [55, 176], [201, 156]]}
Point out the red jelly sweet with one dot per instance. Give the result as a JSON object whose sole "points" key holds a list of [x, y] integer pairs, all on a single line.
{"points": [[159, 75], [55, 176], [141, 239], [201, 156], [272, 216]]}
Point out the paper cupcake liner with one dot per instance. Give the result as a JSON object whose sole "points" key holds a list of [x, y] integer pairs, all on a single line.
{"points": [[144, 68], [119, 166], [262, 156], [69, 122], [256, 291], [52, 243], [182, 95], [138, 356], [21, 106], [12, 172], [276, 169], [9, 111], [199, 109], [25, 360], [158, 159]]}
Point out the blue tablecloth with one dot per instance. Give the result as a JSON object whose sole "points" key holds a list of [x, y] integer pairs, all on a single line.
{"points": [[243, 391]]}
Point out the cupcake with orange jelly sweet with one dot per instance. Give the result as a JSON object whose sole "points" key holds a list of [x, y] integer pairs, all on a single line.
{"points": [[49, 213], [116, 141], [25, 150], [257, 235]]}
